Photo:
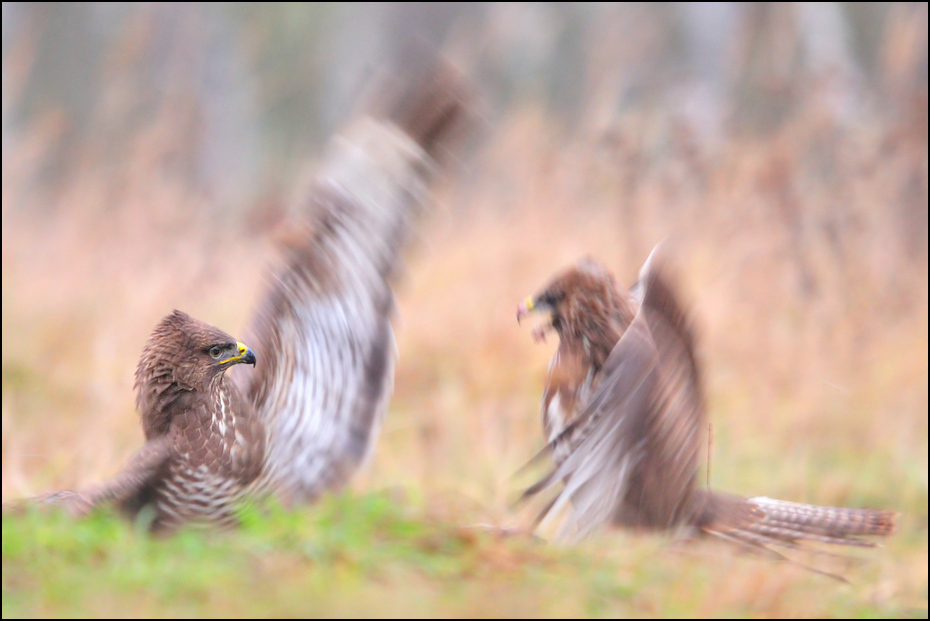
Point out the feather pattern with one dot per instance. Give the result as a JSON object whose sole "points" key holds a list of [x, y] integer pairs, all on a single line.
{"points": [[308, 416], [324, 328], [204, 444], [625, 428]]}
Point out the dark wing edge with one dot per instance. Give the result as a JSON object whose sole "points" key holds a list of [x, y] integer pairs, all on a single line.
{"points": [[676, 435]]}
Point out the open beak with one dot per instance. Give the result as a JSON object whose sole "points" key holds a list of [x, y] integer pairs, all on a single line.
{"points": [[528, 306], [524, 308]]}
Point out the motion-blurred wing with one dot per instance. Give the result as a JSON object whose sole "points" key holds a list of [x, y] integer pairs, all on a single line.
{"points": [[130, 489], [662, 492], [636, 445], [323, 336], [603, 441]]}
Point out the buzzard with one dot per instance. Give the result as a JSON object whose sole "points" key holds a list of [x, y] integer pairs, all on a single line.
{"points": [[623, 411], [304, 420], [204, 443]]}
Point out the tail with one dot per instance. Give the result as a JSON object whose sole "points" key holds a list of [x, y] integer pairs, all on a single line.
{"points": [[761, 522]]}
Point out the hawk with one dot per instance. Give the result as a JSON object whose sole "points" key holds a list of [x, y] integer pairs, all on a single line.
{"points": [[305, 419], [205, 445], [623, 412]]}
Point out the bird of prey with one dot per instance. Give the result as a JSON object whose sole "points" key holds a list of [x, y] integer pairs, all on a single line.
{"points": [[205, 445], [623, 412], [304, 420]]}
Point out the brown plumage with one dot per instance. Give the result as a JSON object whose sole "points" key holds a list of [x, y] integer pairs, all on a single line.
{"points": [[323, 330], [308, 416], [624, 416], [204, 443]]}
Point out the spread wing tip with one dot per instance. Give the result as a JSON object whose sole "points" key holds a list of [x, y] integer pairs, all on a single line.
{"points": [[435, 105]]}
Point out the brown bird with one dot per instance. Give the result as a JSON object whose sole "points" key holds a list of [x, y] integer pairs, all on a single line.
{"points": [[304, 421], [623, 412], [204, 443]]}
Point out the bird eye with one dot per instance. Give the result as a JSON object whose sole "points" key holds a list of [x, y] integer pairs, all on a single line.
{"points": [[215, 352]]}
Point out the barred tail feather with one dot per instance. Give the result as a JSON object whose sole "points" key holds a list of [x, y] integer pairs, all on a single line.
{"points": [[762, 522], [792, 521]]}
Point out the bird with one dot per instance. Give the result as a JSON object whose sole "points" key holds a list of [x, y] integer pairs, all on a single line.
{"points": [[306, 417], [623, 411], [204, 444]]}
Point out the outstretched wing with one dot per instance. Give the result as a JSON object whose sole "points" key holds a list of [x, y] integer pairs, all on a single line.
{"points": [[636, 446], [130, 489], [323, 332], [134, 486], [674, 431]]}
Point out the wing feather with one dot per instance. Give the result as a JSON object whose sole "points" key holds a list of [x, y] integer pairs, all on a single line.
{"points": [[636, 445], [130, 489], [323, 334]]}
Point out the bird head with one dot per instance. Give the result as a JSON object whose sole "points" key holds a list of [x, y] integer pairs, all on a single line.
{"points": [[193, 347], [582, 299], [182, 356]]}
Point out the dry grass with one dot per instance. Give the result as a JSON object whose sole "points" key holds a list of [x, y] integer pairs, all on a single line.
{"points": [[796, 250]]}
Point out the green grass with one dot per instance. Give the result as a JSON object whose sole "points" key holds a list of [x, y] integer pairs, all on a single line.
{"points": [[371, 555], [814, 397], [381, 555]]}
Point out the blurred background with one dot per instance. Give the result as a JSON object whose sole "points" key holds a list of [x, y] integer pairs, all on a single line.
{"points": [[151, 152]]}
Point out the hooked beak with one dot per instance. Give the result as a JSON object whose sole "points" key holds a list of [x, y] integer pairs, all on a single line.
{"points": [[245, 356]]}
